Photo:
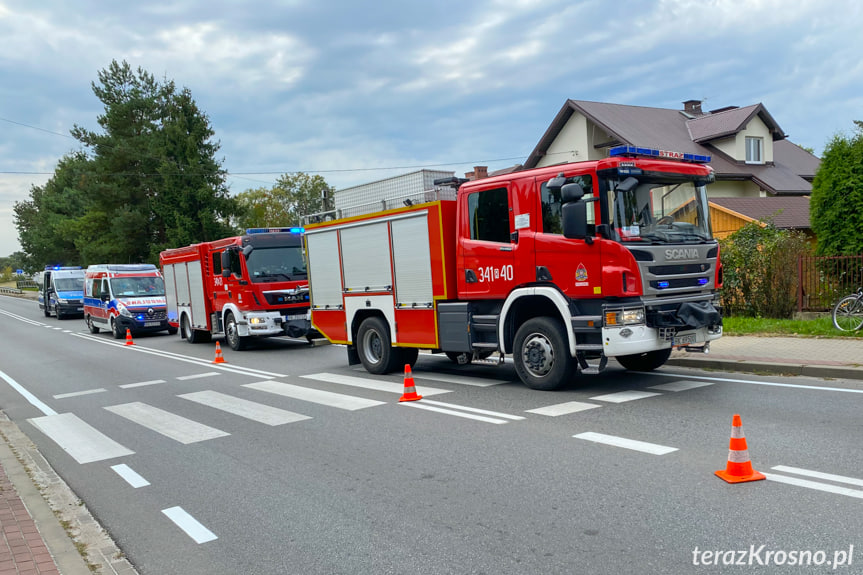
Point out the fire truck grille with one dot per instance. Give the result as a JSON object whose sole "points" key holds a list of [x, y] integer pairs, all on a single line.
{"points": [[678, 269], [285, 299]]}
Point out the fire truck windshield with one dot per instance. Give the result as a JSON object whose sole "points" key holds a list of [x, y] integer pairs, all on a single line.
{"points": [[660, 210], [276, 264]]}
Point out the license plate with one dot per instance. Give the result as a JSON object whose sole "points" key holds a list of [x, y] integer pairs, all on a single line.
{"points": [[295, 316], [152, 323], [80, 309], [684, 339]]}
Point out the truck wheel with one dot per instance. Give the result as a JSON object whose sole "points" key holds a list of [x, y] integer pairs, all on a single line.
{"points": [[172, 331], [115, 330], [91, 325], [541, 354], [375, 348], [647, 361], [409, 355], [236, 342], [193, 335]]}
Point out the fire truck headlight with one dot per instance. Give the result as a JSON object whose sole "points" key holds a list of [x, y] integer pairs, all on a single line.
{"points": [[621, 317], [257, 320]]}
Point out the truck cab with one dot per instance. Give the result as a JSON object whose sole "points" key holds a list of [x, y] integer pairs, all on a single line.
{"points": [[61, 291]]}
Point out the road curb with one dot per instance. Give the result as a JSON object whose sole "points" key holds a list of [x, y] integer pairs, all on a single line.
{"points": [[808, 370], [50, 500]]}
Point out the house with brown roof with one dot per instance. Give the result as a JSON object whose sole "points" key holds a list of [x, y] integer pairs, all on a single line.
{"points": [[751, 155]]}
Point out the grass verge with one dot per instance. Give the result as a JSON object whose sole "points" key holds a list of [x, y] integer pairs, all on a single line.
{"points": [[820, 327]]}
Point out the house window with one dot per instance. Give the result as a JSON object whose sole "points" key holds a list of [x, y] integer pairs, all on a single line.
{"points": [[754, 150]]}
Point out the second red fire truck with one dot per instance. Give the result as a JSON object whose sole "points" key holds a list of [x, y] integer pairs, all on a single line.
{"points": [[563, 267], [248, 286]]}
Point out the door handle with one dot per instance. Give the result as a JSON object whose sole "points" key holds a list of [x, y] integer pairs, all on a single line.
{"points": [[505, 248]]}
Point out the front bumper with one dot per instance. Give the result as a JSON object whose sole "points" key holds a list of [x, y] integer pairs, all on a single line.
{"points": [[70, 308], [268, 324], [136, 326]]}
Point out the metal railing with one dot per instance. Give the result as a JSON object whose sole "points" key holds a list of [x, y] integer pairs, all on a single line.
{"points": [[822, 280]]}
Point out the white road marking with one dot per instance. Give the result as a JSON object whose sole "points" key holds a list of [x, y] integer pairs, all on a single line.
{"points": [[129, 474], [459, 380], [369, 383], [77, 438], [34, 401], [189, 524], [815, 485], [753, 382], [681, 385], [624, 396], [328, 398], [57, 328], [475, 410], [77, 393], [820, 475], [141, 383], [642, 446], [198, 375], [166, 423], [255, 411], [563, 408], [420, 405], [178, 357]]}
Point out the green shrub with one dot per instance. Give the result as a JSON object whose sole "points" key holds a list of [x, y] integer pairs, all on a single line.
{"points": [[760, 270]]}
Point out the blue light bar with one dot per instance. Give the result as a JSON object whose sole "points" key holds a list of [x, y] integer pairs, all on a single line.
{"points": [[662, 285], [295, 230], [657, 153], [703, 281]]}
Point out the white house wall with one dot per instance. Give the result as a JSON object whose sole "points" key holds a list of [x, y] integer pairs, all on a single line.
{"points": [[570, 145]]}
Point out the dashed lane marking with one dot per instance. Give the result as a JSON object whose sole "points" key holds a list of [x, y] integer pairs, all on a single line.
{"points": [[191, 526], [142, 383], [77, 393], [129, 474], [198, 375], [820, 475], [856, 493]]}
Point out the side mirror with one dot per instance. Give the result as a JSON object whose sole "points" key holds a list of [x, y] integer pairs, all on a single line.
{"points": [[571, 193], [247, 250], [574, 216], [556, 182], [225, 257], [626, 185]]}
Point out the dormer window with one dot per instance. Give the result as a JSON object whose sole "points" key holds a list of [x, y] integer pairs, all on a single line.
{"points": [[754, 150]]}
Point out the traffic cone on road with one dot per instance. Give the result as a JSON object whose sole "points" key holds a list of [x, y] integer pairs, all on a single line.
{"points": [[410, 393], [129, 337], [219, 358], [739, 467]]}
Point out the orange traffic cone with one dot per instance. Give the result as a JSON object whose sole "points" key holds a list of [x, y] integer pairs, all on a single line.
{"points": [[410, 393], [739, 467], [129, 337], [219, 358]]}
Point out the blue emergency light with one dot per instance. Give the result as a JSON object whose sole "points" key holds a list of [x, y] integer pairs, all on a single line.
{"points": [[295, 230], [657, 153]]}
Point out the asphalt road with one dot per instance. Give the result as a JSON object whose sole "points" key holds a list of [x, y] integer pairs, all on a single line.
{"points": [[287, 460]]}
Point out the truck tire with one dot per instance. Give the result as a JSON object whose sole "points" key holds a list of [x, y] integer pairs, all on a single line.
{"points": [[115, 330], [193, 335], [92, 326], [374, 347], [541, 354], [237, 342], [409, 355], [647, 361]]}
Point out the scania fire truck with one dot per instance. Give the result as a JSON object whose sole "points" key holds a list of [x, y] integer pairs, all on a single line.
{"points": [[562, 267], [248, 286]]}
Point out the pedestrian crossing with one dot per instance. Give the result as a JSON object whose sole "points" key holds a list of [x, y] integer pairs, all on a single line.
{"points": [[85, 443]]}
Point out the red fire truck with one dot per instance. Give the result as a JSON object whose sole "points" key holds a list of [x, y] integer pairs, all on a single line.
{"points": [[561, 266], [254, 285]]}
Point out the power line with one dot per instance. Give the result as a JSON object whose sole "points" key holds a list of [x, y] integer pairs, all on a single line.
{"points": [[37, 128]]}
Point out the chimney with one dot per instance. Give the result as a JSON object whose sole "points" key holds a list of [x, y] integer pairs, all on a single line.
{"points": [[469, 176], [480, 172], [693, 107]]}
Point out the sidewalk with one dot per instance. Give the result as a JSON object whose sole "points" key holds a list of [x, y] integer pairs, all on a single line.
{"points": [[832, 358], [33, 542]]}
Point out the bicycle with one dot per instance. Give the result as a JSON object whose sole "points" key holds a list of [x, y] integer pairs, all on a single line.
{"points": [[848, 312]]}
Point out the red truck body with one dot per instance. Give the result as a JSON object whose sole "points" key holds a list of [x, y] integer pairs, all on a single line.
{"points": [[562, 267], [248, 286]]}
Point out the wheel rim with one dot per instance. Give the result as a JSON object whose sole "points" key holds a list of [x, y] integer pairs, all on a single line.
{"points": [[849, 315], [537, 355], [115, 329], [372, 347]]}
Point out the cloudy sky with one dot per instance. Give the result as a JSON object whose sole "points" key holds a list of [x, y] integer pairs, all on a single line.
{"points": [[360, 91]]}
